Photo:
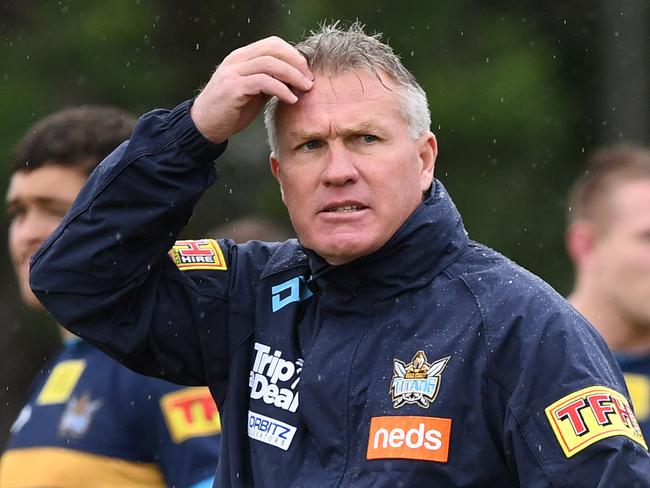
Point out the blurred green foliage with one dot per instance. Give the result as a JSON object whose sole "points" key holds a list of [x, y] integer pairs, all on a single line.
{"points": [[511, 86]]}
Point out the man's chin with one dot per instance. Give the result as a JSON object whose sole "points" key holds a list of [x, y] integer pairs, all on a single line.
{"points": [[343, 253]]}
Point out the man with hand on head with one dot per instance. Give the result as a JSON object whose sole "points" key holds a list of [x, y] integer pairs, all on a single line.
{"points": [[89, 421], [382, 347], [608, 240]]}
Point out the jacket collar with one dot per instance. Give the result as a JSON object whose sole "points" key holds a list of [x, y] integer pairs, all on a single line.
{"points": [[429, 241]]}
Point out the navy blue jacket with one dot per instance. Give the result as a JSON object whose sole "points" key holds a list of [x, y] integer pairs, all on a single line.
{"points": [[435, 361]]}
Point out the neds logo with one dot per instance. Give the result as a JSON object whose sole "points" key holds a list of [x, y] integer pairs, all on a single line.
{"points": [[407, 437]]}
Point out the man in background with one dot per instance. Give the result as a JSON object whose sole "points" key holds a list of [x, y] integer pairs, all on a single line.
{"points": [[90, 421], [608, 239]]}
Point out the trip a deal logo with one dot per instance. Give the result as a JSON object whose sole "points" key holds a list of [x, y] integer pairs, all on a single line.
{"points": [[587, 416]]}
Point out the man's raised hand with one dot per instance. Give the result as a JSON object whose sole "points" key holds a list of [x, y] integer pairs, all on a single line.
{"points": [[243, 82]]}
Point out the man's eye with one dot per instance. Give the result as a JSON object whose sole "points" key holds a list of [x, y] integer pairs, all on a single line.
{"points": [[310, 145], [15, 212], [57, 212], [368, 138]]}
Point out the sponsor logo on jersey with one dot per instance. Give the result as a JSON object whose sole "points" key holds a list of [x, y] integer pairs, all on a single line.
{"points": [[293, 290], [270, 431], [198, 254], [273, 379], [61, 382], [417, 382], [587, 416], [190, 412], [78, 415], [407, 437]]}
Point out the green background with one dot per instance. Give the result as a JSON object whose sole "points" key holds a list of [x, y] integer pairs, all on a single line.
{"points": [[519, 93]]}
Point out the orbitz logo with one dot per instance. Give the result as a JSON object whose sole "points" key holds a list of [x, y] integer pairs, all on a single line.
{"points": [[273, 379], [270, 431]]}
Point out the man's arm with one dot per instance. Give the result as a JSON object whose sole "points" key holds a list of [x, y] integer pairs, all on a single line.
{"points": [[104, 273], [566, 415]]}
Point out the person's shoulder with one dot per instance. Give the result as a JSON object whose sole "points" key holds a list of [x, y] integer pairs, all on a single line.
{"points": [[507, 293], [138, 387]]}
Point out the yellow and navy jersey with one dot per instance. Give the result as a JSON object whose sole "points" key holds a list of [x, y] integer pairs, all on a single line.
{"points": [[636, 371], [92, 422]]}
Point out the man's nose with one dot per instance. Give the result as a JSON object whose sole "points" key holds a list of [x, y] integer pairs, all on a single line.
{"points": [[340, 167]]}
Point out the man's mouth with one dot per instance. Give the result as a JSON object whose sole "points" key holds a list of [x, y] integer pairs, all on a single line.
{"points": [[345, 208]]}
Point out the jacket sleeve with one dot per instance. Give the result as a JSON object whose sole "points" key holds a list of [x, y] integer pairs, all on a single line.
{"points": [[559, 398], [105, 273]]}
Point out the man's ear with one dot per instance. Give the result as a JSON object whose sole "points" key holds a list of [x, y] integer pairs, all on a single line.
{"points": [[275, 166], [579, 239], [274, 163], [427, 148]]}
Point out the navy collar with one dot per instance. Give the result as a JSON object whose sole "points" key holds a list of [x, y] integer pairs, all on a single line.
{"points": [[427, 243]]}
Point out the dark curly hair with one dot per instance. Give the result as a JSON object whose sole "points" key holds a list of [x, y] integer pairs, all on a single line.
{"points": [[74, 137]]}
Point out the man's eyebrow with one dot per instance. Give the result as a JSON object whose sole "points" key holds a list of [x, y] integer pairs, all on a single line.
{"points": [[305, 135], [42, 201], [352, 129]]}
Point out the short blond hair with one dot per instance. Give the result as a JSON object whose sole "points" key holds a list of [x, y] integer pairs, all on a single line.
{"points": [[606, 169]]}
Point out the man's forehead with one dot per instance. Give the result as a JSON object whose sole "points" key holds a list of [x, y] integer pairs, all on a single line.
{"points": [[350, 85], [349, 92], [625, 203], [50, 181]]}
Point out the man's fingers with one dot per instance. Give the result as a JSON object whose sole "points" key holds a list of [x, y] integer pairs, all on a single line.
{"points": [[264, 84], [235, 93], [278, 69], [274, 47]]}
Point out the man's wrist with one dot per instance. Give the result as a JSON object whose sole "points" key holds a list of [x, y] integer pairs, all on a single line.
{"points": [[190, 138]]}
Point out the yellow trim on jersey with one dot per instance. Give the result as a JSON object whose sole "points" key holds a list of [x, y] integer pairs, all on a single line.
{"points": [[61, 382], [639, 388], [65, 468]]}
